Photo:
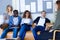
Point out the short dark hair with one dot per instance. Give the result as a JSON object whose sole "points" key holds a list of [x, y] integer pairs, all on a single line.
{"points": [[43, 11], [57, 2], [15, 11]]}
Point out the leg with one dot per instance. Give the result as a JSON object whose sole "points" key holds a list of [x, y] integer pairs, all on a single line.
{"points": [[15, 32], [4, 33], [22, 32], [35, 30], [41, 28]]}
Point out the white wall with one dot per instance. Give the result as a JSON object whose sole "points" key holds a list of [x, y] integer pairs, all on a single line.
{"points": [[3, 4], [51, 16]]}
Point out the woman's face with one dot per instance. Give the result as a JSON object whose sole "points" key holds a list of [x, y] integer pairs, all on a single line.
{"points": [[27, 14], [9, 9]]}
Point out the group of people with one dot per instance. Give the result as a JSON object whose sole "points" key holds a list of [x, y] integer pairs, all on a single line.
{"points": [[23, 24]]}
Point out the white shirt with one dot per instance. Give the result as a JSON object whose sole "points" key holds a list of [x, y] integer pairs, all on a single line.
{"points": [[15, 20], [10, 14], [7, 15], [26, 20], [41, 22], [1, 19]]}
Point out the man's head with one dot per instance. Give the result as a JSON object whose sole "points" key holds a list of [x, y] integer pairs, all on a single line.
{"points": [[15, 13], [58, 5], [43, 13]]}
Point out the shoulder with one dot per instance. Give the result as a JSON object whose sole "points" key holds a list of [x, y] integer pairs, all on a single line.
{"points": [[47, 19], [19, 17], [10, 17], [38, 16], [23, 18]]}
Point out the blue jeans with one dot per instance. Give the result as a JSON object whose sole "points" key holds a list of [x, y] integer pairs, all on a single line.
{"points": [[23, 30], [15, 32], [36, 29]]}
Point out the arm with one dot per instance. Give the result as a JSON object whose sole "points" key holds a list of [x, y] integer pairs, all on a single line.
{"points": [[19, 21], [35, 22], [48, 24], [10, 21], [33, 25]]}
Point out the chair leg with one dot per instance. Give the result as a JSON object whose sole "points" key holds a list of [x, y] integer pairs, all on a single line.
{"points": [[54, 34]]}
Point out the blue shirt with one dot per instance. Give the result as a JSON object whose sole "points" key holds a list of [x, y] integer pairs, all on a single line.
{"points": [[11, 22]]}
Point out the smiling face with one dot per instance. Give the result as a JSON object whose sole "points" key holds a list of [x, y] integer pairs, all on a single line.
{"points": [[9, 8], [43, 14], [15, 13], [27, 14]]}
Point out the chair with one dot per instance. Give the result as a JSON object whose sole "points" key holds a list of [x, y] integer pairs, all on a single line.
{"points": [[54, 34]]}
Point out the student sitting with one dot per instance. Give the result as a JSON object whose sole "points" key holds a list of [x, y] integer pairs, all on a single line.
{"points": [[7, 14], [26, 24], [40, 24], [14, 23]]}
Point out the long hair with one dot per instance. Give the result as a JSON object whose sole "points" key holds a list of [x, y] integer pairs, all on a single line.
{"points": [[10, 7], [24, 15]]}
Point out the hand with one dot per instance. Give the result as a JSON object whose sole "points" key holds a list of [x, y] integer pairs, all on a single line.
{"points": [[48, 26], [33, 25]]}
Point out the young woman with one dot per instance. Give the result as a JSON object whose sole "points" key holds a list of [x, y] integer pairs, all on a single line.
{"points": [[26, 24], [7, 14]]}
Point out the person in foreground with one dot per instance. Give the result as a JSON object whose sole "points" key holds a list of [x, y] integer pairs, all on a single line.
{"points": [[40, 24], [14, 24], [56, 25]]}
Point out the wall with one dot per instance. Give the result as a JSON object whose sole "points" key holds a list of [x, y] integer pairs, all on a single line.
{"points": [[51, 16], [4, 3]]}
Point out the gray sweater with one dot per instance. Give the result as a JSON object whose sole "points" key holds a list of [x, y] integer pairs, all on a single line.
{"points": [[57, 21]]}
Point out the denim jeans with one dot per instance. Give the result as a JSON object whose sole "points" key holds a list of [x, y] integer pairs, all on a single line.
{"points": [[15, 32], [23, 30], [36, 29]]}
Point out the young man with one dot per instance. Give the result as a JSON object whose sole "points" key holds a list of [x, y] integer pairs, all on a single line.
{"points": [[40, 24], [14, 23]]}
